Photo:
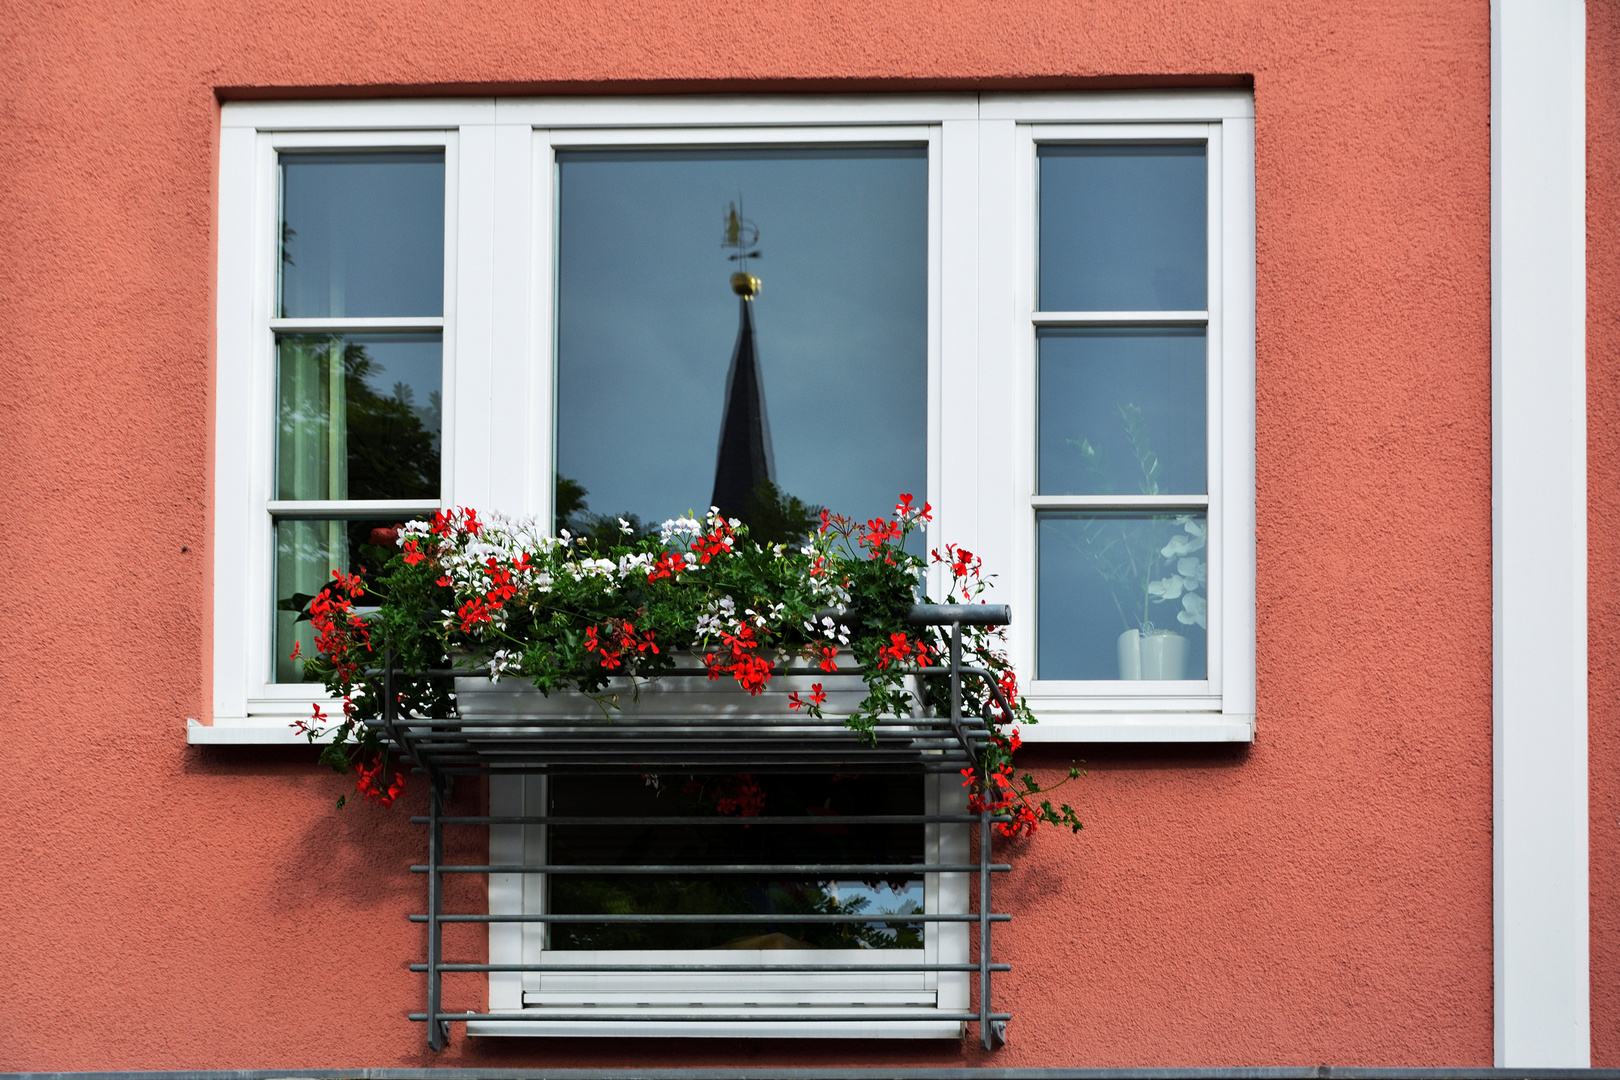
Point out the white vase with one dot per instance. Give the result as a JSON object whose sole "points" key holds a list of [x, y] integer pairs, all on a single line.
{"points": [[1152, 656]]}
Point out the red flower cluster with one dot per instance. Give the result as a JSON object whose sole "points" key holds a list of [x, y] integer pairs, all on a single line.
{"points": [[619, 638], [337, 627], [901, 648], [714, 543], [741, 797], [740, 660], [368, 782], [817, 698], [963, 562], [1001, 797], [501, 589], [829, 654], [460, 520], [905, 511], [878, 533], [668, 565]]}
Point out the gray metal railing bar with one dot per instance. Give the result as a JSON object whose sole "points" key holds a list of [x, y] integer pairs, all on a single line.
{"points": [[751, 917], [784, 870], [540, 1013], [705, 969], [763, 819]]}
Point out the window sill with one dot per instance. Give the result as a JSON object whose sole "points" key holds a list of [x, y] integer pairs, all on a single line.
{"points": [[651, 1027], [1072, 727], [1138, 727], [245, 731]]}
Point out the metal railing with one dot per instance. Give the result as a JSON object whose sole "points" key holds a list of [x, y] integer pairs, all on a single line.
{"points": [[443, 749]]}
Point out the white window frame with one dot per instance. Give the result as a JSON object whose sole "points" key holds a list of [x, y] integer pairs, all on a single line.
{"points": [[499, 333], [497, 447]]}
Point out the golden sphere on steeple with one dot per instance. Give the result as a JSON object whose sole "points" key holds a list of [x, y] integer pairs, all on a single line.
{"points": [[743, 236]]}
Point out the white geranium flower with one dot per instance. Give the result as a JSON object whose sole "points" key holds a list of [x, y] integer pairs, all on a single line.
{"points": [[1194, 610]]}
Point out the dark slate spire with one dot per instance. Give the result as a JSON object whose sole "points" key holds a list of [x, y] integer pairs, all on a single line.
{"points": [[745, 458]]}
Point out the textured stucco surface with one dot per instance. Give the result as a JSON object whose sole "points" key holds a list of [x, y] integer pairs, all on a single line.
{"points": [[1603, 502], [1322, 897]]}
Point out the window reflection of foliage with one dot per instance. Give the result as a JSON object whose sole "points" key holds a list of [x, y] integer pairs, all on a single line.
{"points": [[825, 798], [772, 516], [393, 441], [572, 513], [775, 517]]}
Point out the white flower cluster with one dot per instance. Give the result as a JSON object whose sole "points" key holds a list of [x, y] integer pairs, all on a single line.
{"points": [[719, 617], [828, 628]]}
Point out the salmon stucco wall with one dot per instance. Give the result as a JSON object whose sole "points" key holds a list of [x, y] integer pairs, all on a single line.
{"points": [[1603, 501], [1324, 896]]}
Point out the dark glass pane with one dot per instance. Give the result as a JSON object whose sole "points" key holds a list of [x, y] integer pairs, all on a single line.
{"points": [[1122, 595], [307, 552], [358, 416], [1123, 227], [1122, 412], [828, 841], [649, 326], [362, 234]]}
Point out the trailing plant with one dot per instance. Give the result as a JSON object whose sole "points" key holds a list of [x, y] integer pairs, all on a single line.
{"points": [[569, 616]]}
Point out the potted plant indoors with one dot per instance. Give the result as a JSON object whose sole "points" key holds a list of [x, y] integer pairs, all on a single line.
{"points": [[1153, 567], [599, 622]]}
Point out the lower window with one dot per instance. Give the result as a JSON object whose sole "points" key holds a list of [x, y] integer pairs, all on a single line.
{"points": [[820, 942]]}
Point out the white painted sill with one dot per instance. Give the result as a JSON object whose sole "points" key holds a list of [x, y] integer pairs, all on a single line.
{"points": [[1055, 727]]}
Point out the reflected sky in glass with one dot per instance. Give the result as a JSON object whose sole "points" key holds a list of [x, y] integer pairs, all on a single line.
{"points": [[647, 322], [1123, 227], [362, 234], [1122, 411]]}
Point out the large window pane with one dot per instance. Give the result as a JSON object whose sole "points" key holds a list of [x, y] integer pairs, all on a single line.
{"points": [[649, 328], [1122, 412], [307, 552], [1122, 595], [362, 234], [824, 798], [1123, 227], [358, 416]]}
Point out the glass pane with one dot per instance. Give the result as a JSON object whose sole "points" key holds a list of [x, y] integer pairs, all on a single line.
{"points": [[358, 416], [362, 234], [673, 393], [1122, 412], [1122, 595], [826, 798], [306, 554], [1123, 228]]}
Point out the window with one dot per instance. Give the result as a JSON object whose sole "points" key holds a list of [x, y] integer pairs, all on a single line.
{"points": [[1036, 310]]}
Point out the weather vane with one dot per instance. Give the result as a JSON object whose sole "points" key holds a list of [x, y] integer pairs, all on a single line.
{"points": [[742, 234]]}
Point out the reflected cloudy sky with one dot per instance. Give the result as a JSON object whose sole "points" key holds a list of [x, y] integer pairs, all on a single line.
{"points": [[647, 322]]}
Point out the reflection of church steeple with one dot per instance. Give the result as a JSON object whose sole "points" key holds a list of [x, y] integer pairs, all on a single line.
{"points": [[745, 459]]}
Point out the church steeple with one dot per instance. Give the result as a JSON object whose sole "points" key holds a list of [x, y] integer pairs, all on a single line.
{"points": [[744, 459]]}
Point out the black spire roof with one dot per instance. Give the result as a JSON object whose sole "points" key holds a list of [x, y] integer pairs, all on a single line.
{"points": [[745, 459]]}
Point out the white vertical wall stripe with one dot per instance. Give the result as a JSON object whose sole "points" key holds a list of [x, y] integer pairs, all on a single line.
{"points": [[1538, 377]]}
